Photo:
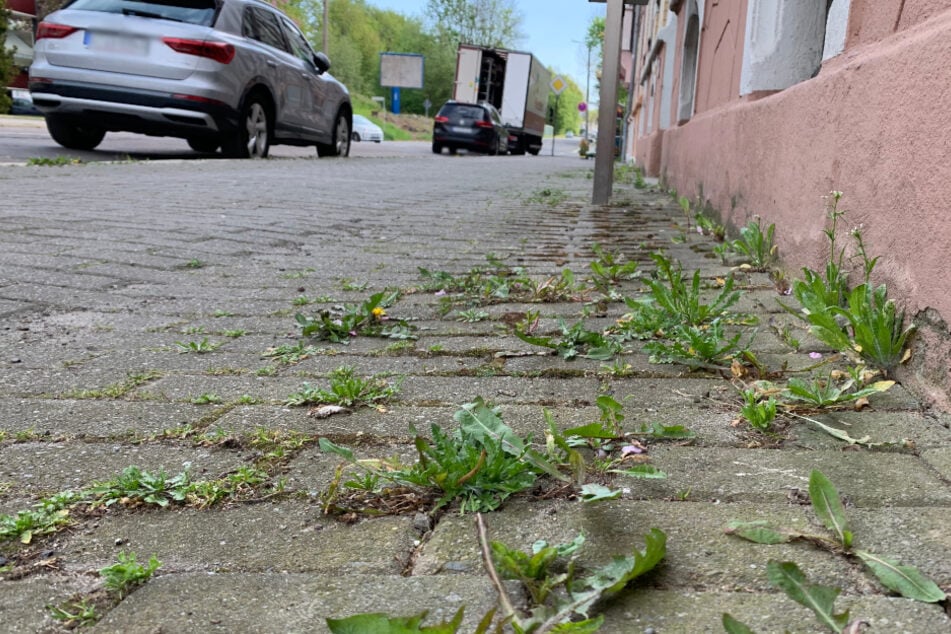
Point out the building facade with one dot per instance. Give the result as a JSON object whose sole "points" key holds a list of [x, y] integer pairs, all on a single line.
{"points": [[762, 107], [20, 38]]}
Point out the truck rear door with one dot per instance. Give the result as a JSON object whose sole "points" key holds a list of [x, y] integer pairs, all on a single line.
{"points": [[468, 67]]}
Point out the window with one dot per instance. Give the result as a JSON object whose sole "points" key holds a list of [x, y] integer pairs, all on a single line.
{"points": [[262, 25], [299, 46], [688, 73]]}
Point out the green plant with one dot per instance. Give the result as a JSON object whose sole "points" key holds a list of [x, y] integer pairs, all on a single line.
{"points": [[234, 334], [878, 333], [609, 269], [369, 319], [575, 341], [759, 413], [347, 284], [126, 574], [57, 161], [194, 263], [206, 399], [696, 346], [549, 196], [221, 313], [74, 614], [26, 525], [347, 389], [480, 464], [683, 304], [831, 389], [709, 227], [827, 505], [134, 486], [472, 315], [198, 347], [289, 355], [756, 244]]}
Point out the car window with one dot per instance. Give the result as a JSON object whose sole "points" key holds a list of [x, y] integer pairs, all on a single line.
{"points": [[262, 25], [200, 12], [464, 112], [299, 46]]}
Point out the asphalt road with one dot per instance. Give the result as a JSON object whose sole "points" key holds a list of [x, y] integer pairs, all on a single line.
{"points": [[23, 138]]}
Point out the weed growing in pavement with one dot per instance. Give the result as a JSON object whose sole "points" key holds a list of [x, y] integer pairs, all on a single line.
{"points": [[862, 323], [479, 465], [756, 245], [472, 315], [759, 412], [207, 398], [835, 388], [369, 319], [684, 304], [57, 161], [709, 227], [195, 263], [25, 525], [575, 341], [234, 334], [347, 284], [827, 505], [548, 196], [198, 347], [73, 614], [561, 597], [134, 486], [697, 346], [291, 354], [608, 269], [126, 574], [347, 390], [193, 330], [219, 313], [116, 390]]}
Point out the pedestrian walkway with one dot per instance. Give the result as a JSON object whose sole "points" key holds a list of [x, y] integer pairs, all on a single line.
{"points": [[156, 329]]}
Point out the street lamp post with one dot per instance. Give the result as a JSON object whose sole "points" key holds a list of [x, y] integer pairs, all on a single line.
{"points": [[587, 89]]}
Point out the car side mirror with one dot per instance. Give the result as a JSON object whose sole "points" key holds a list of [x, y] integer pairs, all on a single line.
{"points": [[322, 62]]}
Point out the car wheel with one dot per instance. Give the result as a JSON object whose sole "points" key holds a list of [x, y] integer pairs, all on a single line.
{"points": [[253, 137], [437, 148], [494, 148], [355, 137], [341, 135], [72, 135], [453, 150], [203, 144]]}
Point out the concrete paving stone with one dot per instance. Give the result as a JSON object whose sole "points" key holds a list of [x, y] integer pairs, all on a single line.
{"points": [[186, 387], [498, 390], [61, 297], [190, 284], [902, 429], [171, 360], [37, 468], [677, 612], [940, 461], [23, 603], [94, 418], [198, 306], [311, 471], [82, 279], [28, 382], [282, 603], [399, 363], [723, 474], [914, 536], [699, 554], [265, 537]]}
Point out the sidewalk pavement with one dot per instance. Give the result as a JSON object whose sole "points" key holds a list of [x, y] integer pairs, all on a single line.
{"points": [[98, 293]]}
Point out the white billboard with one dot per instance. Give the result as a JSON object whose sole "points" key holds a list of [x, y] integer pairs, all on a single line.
{"points": [[401, 70]]}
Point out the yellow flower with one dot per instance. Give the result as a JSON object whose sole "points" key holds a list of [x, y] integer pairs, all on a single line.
{"points": [[378, 312]]}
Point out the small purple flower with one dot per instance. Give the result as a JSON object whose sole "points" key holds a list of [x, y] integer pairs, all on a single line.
{"points": [[629, 450], [440, 293], [815, 355]]}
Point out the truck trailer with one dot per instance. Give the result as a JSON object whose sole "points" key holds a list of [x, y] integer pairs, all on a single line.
{"points": [[515, 83]]}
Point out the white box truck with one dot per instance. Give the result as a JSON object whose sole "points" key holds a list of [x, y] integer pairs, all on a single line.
{"points": [[515, 83]]}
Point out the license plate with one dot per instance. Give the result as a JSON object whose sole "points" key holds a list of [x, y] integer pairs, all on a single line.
{"points": [[460, 128], [119, 44]]}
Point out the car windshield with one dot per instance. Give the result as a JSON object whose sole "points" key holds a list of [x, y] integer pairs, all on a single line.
{"points": [[201, 12], [360, 119], [464, 112]]}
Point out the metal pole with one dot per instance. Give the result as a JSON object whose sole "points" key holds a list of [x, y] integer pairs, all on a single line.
{"points": [[557, 98], [607, 110], [326, 26], [587, 97]]}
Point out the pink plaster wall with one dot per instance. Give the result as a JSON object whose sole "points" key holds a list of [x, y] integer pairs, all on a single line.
{"points": [[721, 54], [874, 124], [873, 20]]}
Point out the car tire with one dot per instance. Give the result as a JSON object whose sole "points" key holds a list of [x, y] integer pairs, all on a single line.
{"points": [[252, 139], [453, 150], [203, 144], [355, 137], [73, 135], [437, 148], [341, 135], [494, 148]]}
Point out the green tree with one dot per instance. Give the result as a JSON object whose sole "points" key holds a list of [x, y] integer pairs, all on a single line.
{"points": [[6, 61], [490, 23]]}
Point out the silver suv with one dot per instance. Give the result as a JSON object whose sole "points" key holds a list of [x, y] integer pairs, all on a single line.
{"points": [[235, 74]]}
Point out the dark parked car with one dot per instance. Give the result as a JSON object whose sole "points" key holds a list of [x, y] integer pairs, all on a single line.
{"points": [[235, 74], [470, 126]]}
